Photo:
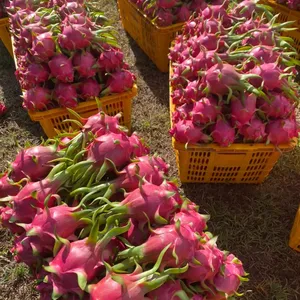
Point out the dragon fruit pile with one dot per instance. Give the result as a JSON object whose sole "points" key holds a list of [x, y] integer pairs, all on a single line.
{"points": [[65, 53], [233, 78], [95, 217], [292, 4]]}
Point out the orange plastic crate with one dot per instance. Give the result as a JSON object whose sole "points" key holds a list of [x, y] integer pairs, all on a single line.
{"points": [[153, 40], [294, 242], [5, 35], [238, 163], [52, 120]]}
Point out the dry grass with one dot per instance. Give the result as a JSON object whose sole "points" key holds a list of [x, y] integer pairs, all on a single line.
{"points": [[253, 222]]}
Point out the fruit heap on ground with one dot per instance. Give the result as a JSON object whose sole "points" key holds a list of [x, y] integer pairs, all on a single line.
{"points": [[233, 78], [65, 54], [95, 217], [292, 4]]}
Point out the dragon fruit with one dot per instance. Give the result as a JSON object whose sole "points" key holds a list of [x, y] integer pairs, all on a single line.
{"points": [[166, 291], [71, 7], [138, 146], [111, 59], [43, 46], [33, 163], [185, 131], [182, 112], [280, 107], [8, 188], [136, 236], [182, 241], [255, 131], [66, 95], [119, 82], [85, 64], [205, 110], [229, 280], [183, 13], [243, 110], [61, 68], [79, 262], [281, 131], [5, 215], [89, 88], [37, 98], [34, 74], [223, 133]]}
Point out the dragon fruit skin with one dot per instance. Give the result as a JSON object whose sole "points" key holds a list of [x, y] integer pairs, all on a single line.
{"points": [[37, 98], [229, 280], [183, 13], [113, 146], [85, 64], [156, 161], [136, 236], [206, 110], [191, 218], [5, 215], [89, 88], [166, 3], [43, 47], [138, 146], [281, 131], [210, 258], [166, 291], [245, 9], [242, 113], [119, 82], [66, 95], [150, 199], [34, 74], [255, 131], [223, 133], [75, 37], [111, 59], [185, 131], [6, 188], [33, 163], [61, 68], [70, 8], [279, 108], [182, 112], [164, 18]]}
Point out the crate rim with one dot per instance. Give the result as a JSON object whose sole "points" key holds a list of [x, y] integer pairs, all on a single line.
{"points": [[235, 147], [39, 115], [166, 28]]}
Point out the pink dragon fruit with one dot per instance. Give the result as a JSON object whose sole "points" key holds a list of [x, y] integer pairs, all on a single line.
{"points": [[5, 215], [43, 46], [166, 291], [164, 18], [129, 286], [101, 123], [243, 110], [75, 37], [185, 131], [156, 161], [136, 236], [35, 74], [3, 109], [66, 95], [166, 3], [208, 263], [245, 9], [119, 82], [8, 188], [80, 262], [111, 59], [281, 131], [205, 110], [37, 98], [182, 246], [182, 112], [183, 13], [33, 163], [89, 88], [223, 133], [85, 64], [61, 68], [138, 146], [255, 131], [229, 280], [280, 107], [71, 7]]}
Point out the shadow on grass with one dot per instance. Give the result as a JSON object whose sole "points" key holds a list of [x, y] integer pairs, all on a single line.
{"points": [[11, 95]]}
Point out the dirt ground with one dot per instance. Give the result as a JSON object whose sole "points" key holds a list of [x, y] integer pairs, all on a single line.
{"points": [[252, 221]]}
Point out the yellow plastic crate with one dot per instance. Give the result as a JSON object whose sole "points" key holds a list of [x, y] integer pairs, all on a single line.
{"points": [[52, 120], [294, 242], [238, 163], [153, 40], [5, 35]]}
